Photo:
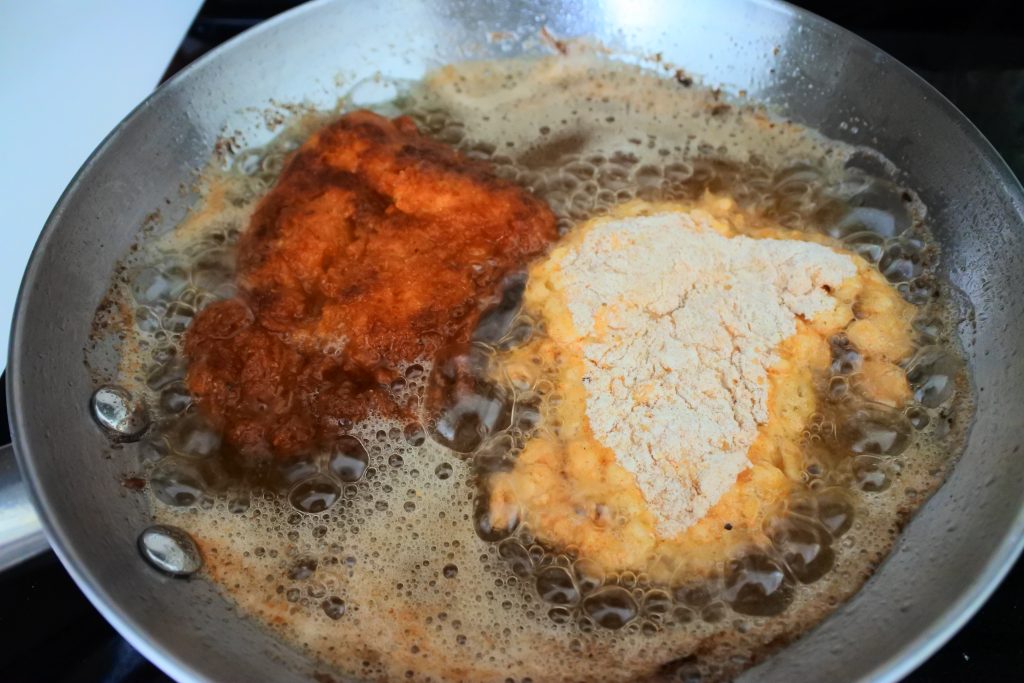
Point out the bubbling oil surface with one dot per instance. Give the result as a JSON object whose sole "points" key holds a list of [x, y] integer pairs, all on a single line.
{"points": [[378, 557]]}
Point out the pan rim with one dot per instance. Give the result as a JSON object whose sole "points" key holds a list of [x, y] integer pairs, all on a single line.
{"points": [[180, 666]]}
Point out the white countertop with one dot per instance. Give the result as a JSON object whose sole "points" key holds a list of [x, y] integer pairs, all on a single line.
{"points": [[69, 72]]}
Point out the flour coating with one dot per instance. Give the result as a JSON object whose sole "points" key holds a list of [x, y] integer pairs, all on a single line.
{"points": [[677, 326]]}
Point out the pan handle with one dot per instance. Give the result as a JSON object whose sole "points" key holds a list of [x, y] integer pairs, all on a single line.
{"points": [[21, 533]]}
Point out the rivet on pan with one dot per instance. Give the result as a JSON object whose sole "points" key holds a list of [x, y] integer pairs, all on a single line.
{"points": [[171, 550], [118, 413]]}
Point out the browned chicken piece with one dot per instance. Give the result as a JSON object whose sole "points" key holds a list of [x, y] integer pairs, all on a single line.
{"points": [[376, 247]]}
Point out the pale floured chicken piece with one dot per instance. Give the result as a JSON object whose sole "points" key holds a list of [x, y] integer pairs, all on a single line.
{"points": [[686, 347]]}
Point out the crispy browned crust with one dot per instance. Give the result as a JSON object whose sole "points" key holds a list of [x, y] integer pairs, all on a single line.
{"points": [[375, 248]]}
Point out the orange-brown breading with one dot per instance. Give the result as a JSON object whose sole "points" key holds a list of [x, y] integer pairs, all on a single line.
{"points": [[376, 247]]}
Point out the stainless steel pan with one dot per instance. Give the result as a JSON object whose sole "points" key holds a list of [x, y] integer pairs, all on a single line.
{"points": [[948, 559]]}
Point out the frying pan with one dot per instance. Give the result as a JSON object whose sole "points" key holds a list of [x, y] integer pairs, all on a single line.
{"points": [[948, 559]]}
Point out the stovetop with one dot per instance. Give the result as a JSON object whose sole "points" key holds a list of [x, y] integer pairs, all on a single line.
{"points": [[971, 54]]}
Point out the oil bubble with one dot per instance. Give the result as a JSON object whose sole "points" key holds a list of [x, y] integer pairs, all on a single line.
{"points": [[898, 264], [713, 613], [152, 286], [868, 245], [879, 208], [649, 628], [876, 431], [302, 569], [932, 374], [349, 459], [834, 510], [314, 495], [484, 526], [171, 370], [496, 322], [929, 329], [177, 317], [147, 321], [757, 585], [657, 603], [175, 398], [560, 615], [464, 406], [414, 434], [610, 607], [191, 436], [176, 483], [682, 615], [804, 547], [333, 607], [239, 504], [918, 417], [870, 474], [685, 670], [695, 596], [289, 473], [555, 585], [517, 557], [589, 575]]}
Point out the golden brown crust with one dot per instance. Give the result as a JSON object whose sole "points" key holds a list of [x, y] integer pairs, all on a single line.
{"points": [[375, 248]]}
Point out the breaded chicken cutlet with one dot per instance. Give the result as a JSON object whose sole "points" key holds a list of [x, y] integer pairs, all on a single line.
{"points": [[375, 248]]}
